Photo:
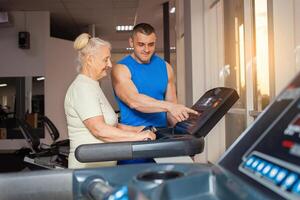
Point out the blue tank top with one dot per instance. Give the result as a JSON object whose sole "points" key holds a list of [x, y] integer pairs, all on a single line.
{"points": [[150, 79]]}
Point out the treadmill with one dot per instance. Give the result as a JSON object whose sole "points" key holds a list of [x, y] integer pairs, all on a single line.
{"points": [[263, 163], [185, 139]]}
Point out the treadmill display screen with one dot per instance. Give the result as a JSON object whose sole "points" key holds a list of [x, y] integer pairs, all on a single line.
{"points": [[211, 107]]}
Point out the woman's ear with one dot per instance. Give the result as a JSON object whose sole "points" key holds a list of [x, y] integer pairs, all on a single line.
{"points": [[89, 60]]}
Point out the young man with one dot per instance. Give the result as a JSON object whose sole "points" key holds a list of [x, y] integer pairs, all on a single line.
{"points": [[144, 84]]}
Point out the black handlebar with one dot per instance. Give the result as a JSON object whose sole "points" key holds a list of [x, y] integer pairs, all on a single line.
{"points": [[177, 146]]}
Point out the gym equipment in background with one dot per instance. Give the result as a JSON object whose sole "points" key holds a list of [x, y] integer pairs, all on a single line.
{"points": [[41, 155]]}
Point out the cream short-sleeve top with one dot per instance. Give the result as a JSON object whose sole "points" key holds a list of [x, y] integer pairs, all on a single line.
{"points": [[85, 99]]}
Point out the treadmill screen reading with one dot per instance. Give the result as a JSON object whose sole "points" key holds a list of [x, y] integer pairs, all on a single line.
{"points": [[211, 107]]}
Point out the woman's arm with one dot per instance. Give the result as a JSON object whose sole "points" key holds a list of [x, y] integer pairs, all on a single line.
{"points": [[107, 133], [130, 128]]}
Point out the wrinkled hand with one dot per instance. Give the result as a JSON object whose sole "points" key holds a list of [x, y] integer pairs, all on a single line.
{"points": [[180, 112], [147, 135], [140, 128]]}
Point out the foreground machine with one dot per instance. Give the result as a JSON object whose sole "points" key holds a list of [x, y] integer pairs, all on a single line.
{"points": [[264, 163]]}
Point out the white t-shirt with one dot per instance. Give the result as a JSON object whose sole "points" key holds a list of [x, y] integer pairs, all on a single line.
{"points": [[85, 99]]}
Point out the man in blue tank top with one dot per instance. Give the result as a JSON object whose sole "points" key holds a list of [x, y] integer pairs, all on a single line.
{"points": [[144, 84]]}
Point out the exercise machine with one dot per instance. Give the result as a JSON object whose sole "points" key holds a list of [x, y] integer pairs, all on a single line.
{"points": [[185, 139], [40, 155], [263, 163]]}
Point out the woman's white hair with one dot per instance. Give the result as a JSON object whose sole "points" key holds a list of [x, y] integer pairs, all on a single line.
{"points": [[86, 45]]}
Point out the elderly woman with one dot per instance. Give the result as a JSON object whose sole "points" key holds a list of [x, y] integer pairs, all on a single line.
{"points": [[90, 117]]}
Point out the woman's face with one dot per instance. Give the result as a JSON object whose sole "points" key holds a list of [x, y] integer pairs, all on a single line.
{"points": [[100, 62]]}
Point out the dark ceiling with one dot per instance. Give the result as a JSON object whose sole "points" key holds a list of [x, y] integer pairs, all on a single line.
{"points": [[69, 18]]}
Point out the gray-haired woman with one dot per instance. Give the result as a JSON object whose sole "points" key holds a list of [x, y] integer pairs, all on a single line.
{"points": [[90, 117]]}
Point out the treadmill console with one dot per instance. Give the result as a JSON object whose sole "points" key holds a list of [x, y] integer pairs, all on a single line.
{"points": [[211, 107], [271, 154]]}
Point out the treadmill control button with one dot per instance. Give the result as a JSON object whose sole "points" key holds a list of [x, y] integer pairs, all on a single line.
{"points": [[280, 176], [267, 169], [255, 164], [260, 167], [289, 181], [296, 188], [273, 172], [249, 162]]}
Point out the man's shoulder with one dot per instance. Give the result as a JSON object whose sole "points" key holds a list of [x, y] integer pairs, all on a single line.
{"points": [[124, 64], [120, 70], [124, 60], [157, 58]]}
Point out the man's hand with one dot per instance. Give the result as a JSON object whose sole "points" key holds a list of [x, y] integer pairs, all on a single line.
{"points": [[180, 112]]}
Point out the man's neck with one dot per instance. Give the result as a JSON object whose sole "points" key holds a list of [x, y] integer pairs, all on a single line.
{"points": [[138, 60]]}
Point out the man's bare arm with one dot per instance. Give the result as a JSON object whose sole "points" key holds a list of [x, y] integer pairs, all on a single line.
{"points": [[171, 93], [128, 93]]}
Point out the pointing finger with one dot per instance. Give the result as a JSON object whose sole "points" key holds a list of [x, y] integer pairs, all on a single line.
{"points": [[189, 110]]}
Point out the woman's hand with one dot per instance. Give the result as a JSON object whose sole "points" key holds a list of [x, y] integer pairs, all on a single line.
{"points": [[147, 135], [139, 128]]}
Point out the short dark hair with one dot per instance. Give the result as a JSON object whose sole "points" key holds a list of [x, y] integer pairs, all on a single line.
{"points": [[144, 28]]}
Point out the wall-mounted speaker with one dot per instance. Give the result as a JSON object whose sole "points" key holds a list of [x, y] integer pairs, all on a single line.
{"points": [[24, 40]]}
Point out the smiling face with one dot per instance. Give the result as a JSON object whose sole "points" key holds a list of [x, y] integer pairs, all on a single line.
{"points": [[100, 62], [143, 45]]}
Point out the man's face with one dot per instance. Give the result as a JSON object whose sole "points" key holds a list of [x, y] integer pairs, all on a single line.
{"points": [[143, 45]]}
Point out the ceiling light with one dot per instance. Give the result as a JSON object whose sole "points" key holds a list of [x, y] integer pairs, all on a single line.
{"points": [[172, 10], [40, 78], [3, 85], [172, 48], [124, 28], [129, 48]]}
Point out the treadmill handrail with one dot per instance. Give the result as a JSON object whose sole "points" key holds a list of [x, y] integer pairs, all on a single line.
{"points": [[139, 149], [212, 106]]}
